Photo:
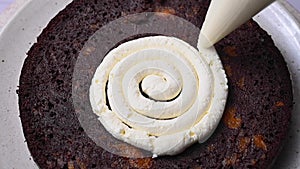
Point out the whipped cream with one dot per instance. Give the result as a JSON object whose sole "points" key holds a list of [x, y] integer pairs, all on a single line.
{"points": [[164, 94]]}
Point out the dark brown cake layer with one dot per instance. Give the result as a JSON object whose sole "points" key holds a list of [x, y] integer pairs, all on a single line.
{"points": [[250, 134]]}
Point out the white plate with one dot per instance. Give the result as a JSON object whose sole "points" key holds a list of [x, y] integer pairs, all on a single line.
{"points": [[19, 35]]}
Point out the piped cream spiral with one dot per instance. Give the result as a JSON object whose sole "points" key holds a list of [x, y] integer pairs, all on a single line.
{"points": [[163, 94]]}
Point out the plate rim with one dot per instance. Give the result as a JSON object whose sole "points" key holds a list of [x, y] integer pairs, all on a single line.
{"points": [[9, 27]]}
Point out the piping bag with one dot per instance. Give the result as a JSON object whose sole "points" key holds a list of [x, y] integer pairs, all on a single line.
{"points": [[224, 16]]}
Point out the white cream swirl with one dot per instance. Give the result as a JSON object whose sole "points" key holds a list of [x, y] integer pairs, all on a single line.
{"points": [[163, 93]]}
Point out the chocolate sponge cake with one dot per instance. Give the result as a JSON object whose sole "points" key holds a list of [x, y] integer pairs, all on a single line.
{"points": [[253, 126]]}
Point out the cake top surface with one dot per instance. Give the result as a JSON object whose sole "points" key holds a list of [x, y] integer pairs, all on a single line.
{"points": [[8, 67]]}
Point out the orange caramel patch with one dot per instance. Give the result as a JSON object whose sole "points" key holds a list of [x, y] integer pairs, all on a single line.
{"points": [[241, 83], [143, 163], [228, 70], [94, 26], [253, 162], [166, 10], [195, 9], [231, 160], [250, 24], [211, 147], [81, 164], [71, 165], [244, 143], [279, 104], [231, 120], [230, 51], [258, 141]]}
